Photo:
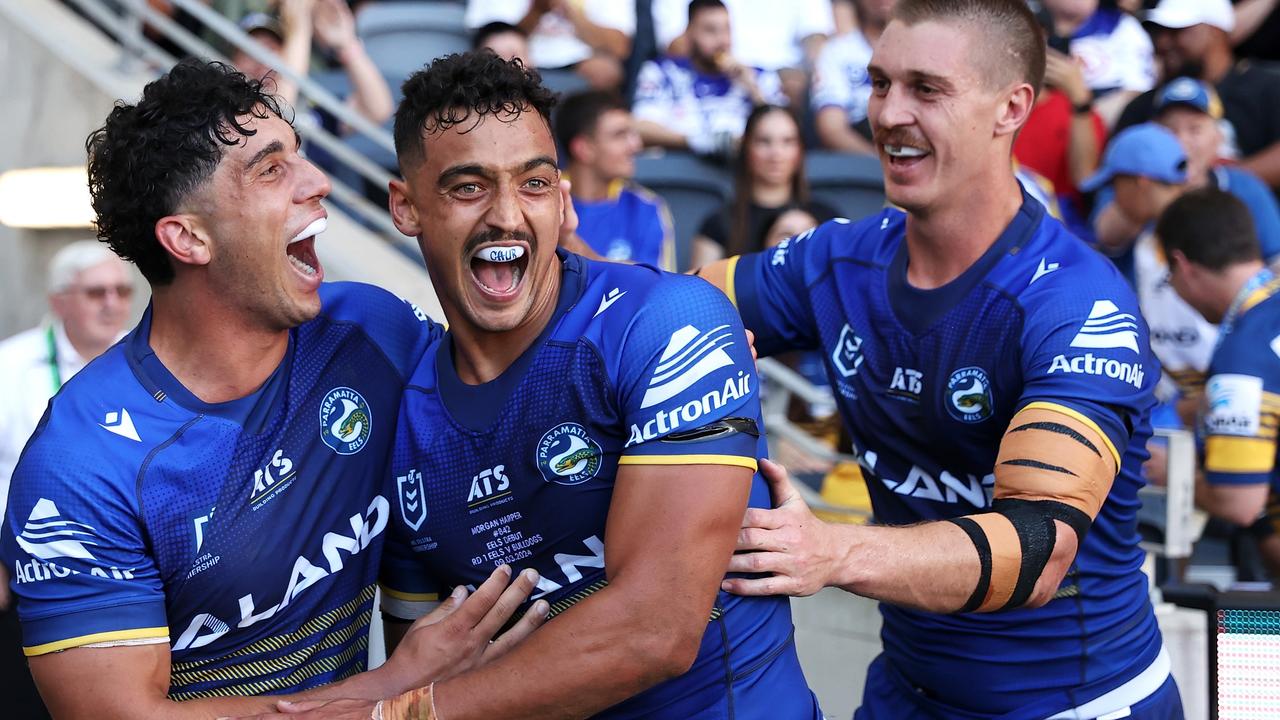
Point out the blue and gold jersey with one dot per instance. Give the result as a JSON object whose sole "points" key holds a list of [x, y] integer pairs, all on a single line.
{"points": [[248, 533], [632, 224], [521, 470], [1242, 396], [927, 382]]}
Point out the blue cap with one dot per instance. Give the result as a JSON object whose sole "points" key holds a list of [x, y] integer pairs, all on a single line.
{"points": [[1147, 150], [1192, 93]]}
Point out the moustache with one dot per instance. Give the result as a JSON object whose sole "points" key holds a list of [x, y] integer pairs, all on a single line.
{"points": [[493, 235], [899, 137]]}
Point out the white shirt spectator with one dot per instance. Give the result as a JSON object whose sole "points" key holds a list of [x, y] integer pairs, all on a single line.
{"points": [[840, 76], [767, 34], [1116, 53], [553, 43], [33, 365], [669, 91], [1181, 338]]}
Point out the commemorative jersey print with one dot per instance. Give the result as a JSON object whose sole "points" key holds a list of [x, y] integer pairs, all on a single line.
{"points": [[247, 532], [521, 471], [927, 382]]}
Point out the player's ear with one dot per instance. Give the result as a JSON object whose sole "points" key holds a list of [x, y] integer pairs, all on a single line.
{"points": [[184, 239], [403, 212], [1016, 108]]}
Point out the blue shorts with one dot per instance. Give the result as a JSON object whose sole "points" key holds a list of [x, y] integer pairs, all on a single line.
{"points": [[888, 696]]}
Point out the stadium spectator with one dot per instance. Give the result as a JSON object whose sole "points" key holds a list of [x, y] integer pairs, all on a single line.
{"points": [[89, 293], [1215, 264], [1257, 32], [1192, 40], [841, 86], [1111, 47], [1064, 136], [168, 512], [789, 223], [990, 370], [592, 37], [768, 177], [507, 41], [701, 102], [328, 26], [617, 218], [780, 37]]}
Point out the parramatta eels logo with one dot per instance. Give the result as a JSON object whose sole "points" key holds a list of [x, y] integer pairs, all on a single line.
{"points": [[345, 421], [567, 455], [969, 395]]}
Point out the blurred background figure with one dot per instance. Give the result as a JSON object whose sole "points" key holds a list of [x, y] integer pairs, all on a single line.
{"points": [[769, 178], [590, 37], [1113, 51], [841, 86], [701, 102], [619, 219], [89, 293], [781, 37], [507, 41]]}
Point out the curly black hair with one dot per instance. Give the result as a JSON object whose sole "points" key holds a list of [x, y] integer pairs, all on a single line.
{"points": [[456, 87], [147, 158]]}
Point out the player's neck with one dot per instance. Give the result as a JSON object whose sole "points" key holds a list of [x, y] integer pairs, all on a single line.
{"points": [[587, 184], [1231, 281], [480, 356], [946, 241], [210, 348]]}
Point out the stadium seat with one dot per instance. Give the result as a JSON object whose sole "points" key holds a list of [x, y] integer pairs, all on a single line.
{"points": [[563, 81], [851, 184], [401, 37], [692, 188]]}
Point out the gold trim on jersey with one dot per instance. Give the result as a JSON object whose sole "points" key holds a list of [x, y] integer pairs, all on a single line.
{"points": [[410, 597], [1231, 454], [101, 637], [730, 274], [735, 460]]}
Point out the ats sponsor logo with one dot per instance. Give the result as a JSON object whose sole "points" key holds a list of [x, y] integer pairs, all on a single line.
{"points": [[566, 455], [492, 486], [688, 414], [345, 421], [308, 570], [1089, 364], [906, 384], [272, 479], [968, 397]]}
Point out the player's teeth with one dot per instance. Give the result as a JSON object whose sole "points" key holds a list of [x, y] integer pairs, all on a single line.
{"points": [[315, 227], [904, 151], [501, 254], [305, 268]]}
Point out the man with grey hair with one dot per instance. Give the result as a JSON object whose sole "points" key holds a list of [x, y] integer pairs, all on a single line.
{"points": [[89, 293]]}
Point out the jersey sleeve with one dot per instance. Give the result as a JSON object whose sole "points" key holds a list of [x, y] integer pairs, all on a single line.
{"points": [[771, 292], [409, 591], [1242, 408], [686, 382], [398, 327], [82, 572], [1086, 352]]}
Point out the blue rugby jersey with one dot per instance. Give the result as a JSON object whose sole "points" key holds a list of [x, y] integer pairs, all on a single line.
{"points": [[632, 224], [927, 382], [521, 470], [1242, 395], [248, 532]]}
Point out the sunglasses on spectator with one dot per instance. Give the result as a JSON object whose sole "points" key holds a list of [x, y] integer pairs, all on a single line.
{"points": [[100, 292]]}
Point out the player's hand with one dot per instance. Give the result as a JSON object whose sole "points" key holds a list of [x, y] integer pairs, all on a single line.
{"points": [[1065, 73], [5, 596], [345, 709], [751, 343], [569, 238], [456, 637], [789, 544]]}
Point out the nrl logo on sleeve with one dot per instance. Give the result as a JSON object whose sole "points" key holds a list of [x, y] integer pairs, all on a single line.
{"points": [[567, 455], [345, 421], [413, 498], [847, 356]]}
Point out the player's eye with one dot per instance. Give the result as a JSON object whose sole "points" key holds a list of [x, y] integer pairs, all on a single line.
{"points": [[926, 90], [467, 189], [537, 184], [272, 169], [879, 85]]}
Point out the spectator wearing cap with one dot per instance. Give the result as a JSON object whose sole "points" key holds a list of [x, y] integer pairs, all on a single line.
{"points": [[701, 102], [1192, 39], [1257, 31], [507, 41], [841, 85], [1110, 47], [591, 37], [1146, 168], [327, 25], [89, 293], [618, 219]]}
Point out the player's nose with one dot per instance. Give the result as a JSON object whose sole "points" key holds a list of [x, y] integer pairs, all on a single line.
{"points": [[314, 184]]}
